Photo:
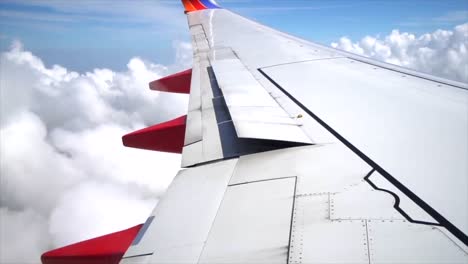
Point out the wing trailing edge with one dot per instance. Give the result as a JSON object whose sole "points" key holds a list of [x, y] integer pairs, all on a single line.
{"points": [[107, 249]]}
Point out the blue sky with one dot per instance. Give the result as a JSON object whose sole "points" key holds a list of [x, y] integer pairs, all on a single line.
{"points": [[82, 35]]}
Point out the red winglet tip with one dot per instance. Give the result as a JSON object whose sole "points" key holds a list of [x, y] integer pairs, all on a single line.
{"points": [[107, 249], [167, 137], [176, 83]]}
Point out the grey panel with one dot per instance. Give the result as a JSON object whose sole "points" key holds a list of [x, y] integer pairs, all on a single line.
{"points": [[262, 114], [252, 225], [211, 140], [193, 129], [186, 212], [206, 92], [415, 212], [411, 243], [244, 95], [362, 202], [239, 86], [270, 131], [192, 154], [195, 94], [316, 239], [414, 128], [212, 149], [320, 169]]}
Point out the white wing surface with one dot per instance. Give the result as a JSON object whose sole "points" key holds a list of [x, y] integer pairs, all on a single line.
{"points": [[321, 156]]}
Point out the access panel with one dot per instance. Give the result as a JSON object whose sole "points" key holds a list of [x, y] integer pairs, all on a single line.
{"points": [[253, 224]]}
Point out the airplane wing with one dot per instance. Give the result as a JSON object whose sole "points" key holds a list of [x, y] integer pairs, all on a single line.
{"points": [[293, 152]]}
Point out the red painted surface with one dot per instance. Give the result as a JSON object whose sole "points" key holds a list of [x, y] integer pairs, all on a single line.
{"points": [[107, 249], [168, 136], [192, 5], [176, 83], [197, 4]]}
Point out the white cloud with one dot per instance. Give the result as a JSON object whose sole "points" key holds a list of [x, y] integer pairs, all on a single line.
{"points": [[123, 206], [443, 52], [22, 236], [65, 175]]}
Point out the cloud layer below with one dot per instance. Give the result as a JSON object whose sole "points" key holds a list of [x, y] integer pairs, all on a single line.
{"points": [[443, 52], [65, 175]]}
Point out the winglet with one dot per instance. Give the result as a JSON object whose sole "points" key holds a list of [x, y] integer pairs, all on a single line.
{"points": [[196, 5]]}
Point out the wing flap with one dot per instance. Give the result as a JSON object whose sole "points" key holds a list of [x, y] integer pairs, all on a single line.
{"points": [[254, 112]]}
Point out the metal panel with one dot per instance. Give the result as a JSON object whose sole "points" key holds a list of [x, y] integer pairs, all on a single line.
{"points": [[212, 149], [410, 243], [193, 128], [195, 98], [196, 29], [185, 214], [192, 154], [199, 40], [362, 202], [316, 239], [320, 169], [273, 131], [262, 114], [193, 131], [205, 86], [244, 95], [252, 225], [412, 127], [405, 203], [316, 132], [239, 86]]}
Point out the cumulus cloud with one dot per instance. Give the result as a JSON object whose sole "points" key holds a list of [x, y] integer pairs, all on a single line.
{"points": [[443, 52], [65, 175]]}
